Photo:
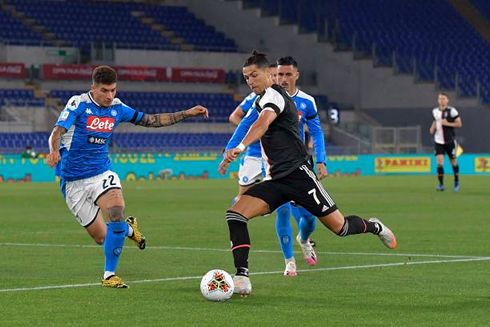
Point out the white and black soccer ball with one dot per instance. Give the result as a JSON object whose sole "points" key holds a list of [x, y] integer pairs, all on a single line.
{"points": [[217, 285]]}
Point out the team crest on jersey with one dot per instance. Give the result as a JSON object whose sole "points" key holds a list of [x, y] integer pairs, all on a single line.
{"points": [[100, 124], [113, 113], [303, 105]]}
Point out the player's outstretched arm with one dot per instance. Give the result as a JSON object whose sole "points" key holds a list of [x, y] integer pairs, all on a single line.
{"points": [[162, 120], [54, 144]]}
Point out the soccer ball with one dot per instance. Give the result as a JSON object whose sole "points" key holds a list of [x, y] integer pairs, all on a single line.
{"points": [[217, 285]]}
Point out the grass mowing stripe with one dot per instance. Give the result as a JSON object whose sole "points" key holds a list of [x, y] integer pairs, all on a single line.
{"points": [[255, 251], [383, 265]]}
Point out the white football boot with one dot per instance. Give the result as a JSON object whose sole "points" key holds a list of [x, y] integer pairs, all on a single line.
{"points": [[290, 268], [243, 286], [386, 235], [308, 253]]}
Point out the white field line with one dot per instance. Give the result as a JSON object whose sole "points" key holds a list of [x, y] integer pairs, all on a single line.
{"points": [[159, 280], [253, 250]]}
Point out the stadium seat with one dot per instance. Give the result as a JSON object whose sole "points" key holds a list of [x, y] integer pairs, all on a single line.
{"points": [[123, 29]]}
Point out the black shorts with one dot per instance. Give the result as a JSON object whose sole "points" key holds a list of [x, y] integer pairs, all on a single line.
{"points": [[449, 148], [301, 186]]}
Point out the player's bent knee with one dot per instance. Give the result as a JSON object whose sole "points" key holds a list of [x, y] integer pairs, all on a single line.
{"points": [[116, 213], [333, 221], [250, 207], [283, 212]]}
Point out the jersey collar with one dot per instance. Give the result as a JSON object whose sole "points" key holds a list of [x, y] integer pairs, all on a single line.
{"points": [[92, 99], [295, 93]]}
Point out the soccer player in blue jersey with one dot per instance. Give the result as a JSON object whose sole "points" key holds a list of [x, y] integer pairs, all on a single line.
{"points": [[287, 76], [79, 144]]}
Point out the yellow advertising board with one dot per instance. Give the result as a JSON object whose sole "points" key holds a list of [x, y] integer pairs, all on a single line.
{"points": [[482, 164], [402, 164]]}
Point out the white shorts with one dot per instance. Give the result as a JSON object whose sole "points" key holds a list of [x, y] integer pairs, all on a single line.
{"points": [[81, 195], [250, 171]]}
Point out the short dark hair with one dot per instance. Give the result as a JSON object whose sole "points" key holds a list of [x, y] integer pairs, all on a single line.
{"points": [[104, 75], [257, 58], [444, 93], [287, 61]]}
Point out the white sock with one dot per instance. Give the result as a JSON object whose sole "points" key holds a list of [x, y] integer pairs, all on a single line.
{"points": [[108, 274], [130, 231]]}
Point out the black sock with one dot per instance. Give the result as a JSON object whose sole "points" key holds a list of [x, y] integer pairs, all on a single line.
{"points": [[440, 174], [356, 225], [456, 173], [240, 240]]}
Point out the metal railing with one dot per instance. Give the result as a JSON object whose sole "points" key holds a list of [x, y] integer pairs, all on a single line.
{"points": [[396, 139]]}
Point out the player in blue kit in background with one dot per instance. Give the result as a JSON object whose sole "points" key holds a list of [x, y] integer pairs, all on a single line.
{"points": [[287, 76], [79, 144], [251, 167]]}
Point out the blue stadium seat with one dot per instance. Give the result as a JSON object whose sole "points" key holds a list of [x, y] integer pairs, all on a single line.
{"points": [[122, 28]]}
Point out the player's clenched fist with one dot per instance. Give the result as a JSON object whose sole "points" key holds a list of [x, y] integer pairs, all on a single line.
{"points": [[53, 158]]}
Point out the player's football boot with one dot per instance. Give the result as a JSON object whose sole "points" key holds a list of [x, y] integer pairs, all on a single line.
{"points": [[114, 282], [308, 253], [456, 186], [386, 235], [243, 286], [313, 243], [137, 237], [440, 188], [290, 269]]}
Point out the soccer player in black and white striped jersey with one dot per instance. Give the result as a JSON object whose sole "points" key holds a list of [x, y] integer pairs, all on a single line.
{"points": [[445, 120], [290, 175]]}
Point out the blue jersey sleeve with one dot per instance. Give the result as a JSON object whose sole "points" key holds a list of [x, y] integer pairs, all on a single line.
{"points": [[248, 102], [242, 129], [130, 115], [313, 122], [68, 115]]}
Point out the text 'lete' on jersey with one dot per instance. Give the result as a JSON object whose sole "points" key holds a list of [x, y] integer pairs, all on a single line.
{"points": [[84, 147]]}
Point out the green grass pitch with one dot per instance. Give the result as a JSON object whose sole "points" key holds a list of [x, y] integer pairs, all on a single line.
{"points": [[438, 276]]}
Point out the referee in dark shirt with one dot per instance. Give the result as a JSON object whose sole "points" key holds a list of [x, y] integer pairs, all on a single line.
{"points": [[290, 176]]}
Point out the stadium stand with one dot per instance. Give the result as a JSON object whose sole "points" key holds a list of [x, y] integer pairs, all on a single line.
{"points": [[123, 24], [483, 6], [400, 33], [17, 33], [19, 98]]}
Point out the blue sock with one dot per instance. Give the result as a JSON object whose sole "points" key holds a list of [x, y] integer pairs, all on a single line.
{"points": [[296, 213], [113, 244], [284, 230], [307, 225]]}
